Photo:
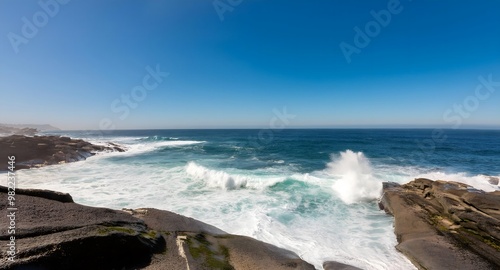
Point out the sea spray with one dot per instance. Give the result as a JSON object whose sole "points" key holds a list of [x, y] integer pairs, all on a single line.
{"points": [[216, 178], [356, 181]]}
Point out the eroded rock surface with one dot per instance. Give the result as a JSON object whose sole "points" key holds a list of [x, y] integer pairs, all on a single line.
{"points": [[445, 225], [52, 232], [47, 150]]}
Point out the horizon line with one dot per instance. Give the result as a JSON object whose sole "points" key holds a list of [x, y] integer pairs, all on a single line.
{"points": [[297, 128]]}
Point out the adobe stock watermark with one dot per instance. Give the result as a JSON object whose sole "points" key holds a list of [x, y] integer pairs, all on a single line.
{"points": [[223, 6], [130, 101], [278, 122], [31, 26], [457, 114], [471, 103], [363, 37]]}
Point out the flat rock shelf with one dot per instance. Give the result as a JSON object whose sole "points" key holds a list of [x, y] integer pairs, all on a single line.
{"points": [[444, 224]]}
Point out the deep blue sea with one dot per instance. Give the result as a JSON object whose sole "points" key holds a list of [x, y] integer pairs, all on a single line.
{"points": [[311, 191]]}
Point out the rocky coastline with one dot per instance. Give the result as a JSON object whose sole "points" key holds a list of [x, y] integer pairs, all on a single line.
{"points": [[444, 224], [53, 232], [37, 151], [438, 225]]}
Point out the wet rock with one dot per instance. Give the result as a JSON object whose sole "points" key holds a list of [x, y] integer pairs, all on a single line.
{"points": [[42, 193], [338, 266], [493, 180]]}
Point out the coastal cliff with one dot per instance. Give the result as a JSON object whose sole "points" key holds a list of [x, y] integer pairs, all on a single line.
{"points": [[445, 225]]}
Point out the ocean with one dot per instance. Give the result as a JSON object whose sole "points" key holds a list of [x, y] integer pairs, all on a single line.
{"points": [[312, 191]]}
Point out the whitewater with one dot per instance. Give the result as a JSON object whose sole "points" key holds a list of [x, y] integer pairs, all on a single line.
{"points": [[313, 192]]}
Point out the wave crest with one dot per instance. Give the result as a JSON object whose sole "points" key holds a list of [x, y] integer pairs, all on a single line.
{"points": [[216, 178], [231, 181], [157, 138]]}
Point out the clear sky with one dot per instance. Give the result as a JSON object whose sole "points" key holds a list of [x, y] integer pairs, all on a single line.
{"points": [[88, 64]]}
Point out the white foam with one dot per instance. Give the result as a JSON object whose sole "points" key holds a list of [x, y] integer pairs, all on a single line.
{"points": [[229, 181], [355, 179], [139, 148], [349, 237], [216, 178], [159, 138]]}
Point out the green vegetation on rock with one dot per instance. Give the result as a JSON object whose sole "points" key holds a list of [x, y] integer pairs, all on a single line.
{"points": [[214, 257]]}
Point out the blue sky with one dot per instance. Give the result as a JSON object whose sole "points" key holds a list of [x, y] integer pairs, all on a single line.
{"points": [[264, 55]]}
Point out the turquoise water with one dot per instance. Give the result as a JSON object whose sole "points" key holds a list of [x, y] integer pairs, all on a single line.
{"points": [[311, 191]]}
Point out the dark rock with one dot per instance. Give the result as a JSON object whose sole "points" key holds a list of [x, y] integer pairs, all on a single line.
{"points": [[207, 247], [338, 266], [55, 235], [248, 253], [493, 180], [386, 185], [47, 194], [52, 234], [445, 225], [167, 221], [90, 247], [47, 150]]}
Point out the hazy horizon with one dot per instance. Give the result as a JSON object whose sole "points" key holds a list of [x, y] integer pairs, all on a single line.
{"points": [[101, 65], [367, 127]]}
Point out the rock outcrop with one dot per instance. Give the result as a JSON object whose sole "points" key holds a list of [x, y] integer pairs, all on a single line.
{"points": [[53, 232], [445, 225], [330, 265], [46, 150]]}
